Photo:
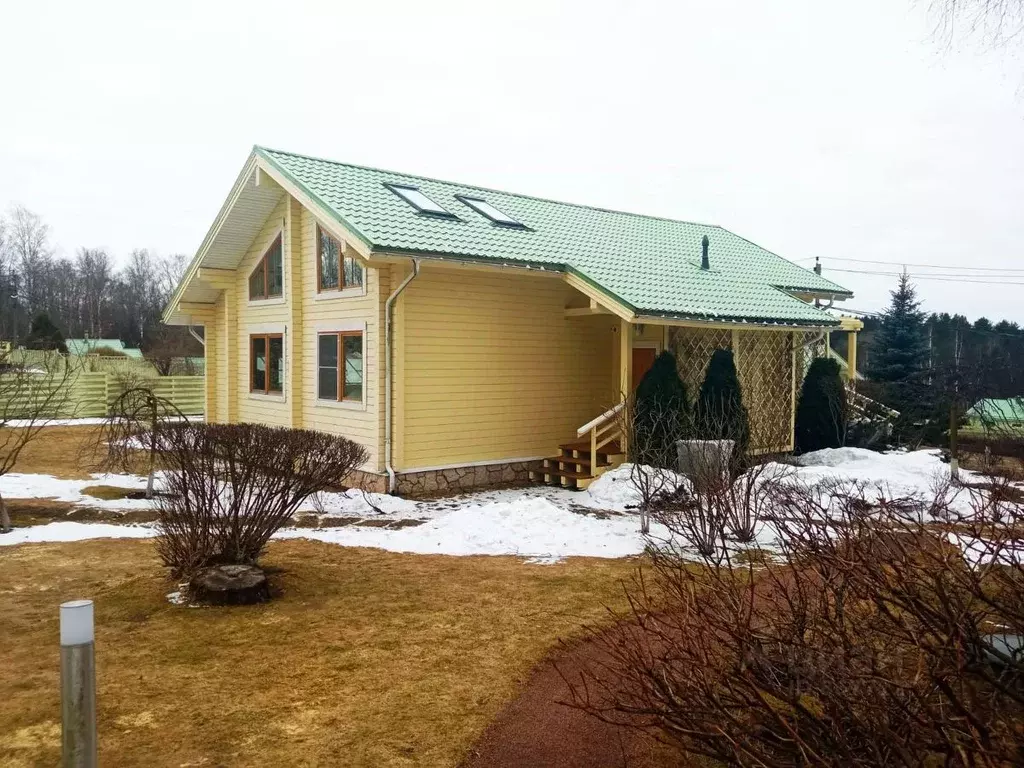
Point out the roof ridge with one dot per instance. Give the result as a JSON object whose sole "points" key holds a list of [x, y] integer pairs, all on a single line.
{"points": [[492, 189]]}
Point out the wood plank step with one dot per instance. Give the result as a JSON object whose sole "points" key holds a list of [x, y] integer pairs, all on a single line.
{"points": [[583, 461], [554, 472], [583, 446]]}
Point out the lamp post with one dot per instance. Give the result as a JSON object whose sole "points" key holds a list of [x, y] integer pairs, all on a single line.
{"points": [[78, 684]]}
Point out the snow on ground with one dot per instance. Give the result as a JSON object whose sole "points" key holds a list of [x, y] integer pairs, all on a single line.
{"points": [[17, 485], [69, 531], [539, 522]]}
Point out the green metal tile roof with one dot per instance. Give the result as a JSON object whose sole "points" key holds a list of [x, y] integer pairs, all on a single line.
{"points": [[650, 264]]}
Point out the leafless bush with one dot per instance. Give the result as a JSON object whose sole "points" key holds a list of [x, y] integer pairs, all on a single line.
{"points": [[30, 397], [135, 422], [230, 487], [885, 633]]}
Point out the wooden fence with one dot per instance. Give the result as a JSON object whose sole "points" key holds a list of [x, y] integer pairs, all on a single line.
{"points": [[90, 394]]}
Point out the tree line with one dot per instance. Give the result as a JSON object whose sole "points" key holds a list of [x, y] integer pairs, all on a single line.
{"points": [[933, 367], [83, 295]]}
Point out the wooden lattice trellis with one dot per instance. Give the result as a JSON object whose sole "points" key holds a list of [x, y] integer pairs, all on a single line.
{"points": [[693, 348], [765, 366], [764, 360]]}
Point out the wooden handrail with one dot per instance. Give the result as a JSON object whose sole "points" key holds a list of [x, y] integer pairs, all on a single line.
{"points": [[594, 423]]}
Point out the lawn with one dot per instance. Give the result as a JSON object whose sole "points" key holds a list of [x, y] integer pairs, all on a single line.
{"points": [[366, 658]]}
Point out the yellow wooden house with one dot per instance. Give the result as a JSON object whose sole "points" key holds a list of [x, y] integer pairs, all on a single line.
{"points": [[464, 335]]}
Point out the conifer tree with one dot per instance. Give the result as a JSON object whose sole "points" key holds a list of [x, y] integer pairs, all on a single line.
{"points": [[661, 413], [43, 334], [720, 413], [821, 411], [900, 349]]}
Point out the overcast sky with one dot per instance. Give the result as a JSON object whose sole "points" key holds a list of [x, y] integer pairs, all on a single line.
{"points": [[839, 130]]}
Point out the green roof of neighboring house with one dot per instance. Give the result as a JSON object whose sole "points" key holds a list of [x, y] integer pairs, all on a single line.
{"points": [[85, 346], [992, 410], [651, 265]]}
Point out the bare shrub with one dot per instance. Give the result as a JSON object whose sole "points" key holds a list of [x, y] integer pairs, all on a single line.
{"points": [[230, 487], [887, 631], [135, 422], [30, 397]]}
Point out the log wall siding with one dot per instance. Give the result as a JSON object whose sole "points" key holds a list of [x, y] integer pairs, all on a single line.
{"points": [[489, 367]]}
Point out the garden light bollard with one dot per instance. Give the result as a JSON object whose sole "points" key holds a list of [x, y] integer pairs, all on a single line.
{"points": [[78, 684]]}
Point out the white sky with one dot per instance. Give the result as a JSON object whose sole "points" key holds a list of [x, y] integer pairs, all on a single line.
{"points": [[842, 130]]}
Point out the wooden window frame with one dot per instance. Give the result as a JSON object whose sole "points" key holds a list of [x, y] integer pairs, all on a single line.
{"points": [[266, 390], [342, 285], [262, 265], [339, 395]]}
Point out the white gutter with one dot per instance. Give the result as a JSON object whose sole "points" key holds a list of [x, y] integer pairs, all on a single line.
{"points": [[389, 309]]}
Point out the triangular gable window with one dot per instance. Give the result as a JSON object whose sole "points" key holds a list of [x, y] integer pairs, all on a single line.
{"points": [[267, 279]]}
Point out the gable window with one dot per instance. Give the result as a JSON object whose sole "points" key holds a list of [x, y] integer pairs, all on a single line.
{"points": [[484, 208], [340, 366], [266, 363], [420, 201], [335, 270], [267, 279]]}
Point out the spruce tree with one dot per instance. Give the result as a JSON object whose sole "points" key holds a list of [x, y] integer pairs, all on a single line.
{"points": [[43, 334], [720, 413], [821, 411], [900, 349], [661, 413]]}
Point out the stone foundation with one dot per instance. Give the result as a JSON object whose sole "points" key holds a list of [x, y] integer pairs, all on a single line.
{"points": [[459, 479], [368, 481]]}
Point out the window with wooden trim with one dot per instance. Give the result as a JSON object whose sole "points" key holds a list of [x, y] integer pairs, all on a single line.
{"points": [[335, 270], [340, 366], [266, 363], [267, 280]]}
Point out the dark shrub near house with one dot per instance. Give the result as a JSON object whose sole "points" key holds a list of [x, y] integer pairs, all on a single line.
{"points": [[719, 413], [230, 487], [821, 411], [661, 413]]}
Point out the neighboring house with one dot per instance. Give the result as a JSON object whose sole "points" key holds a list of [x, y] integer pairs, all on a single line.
{"points": [[82, 347], [997, 415], [463, 334]]}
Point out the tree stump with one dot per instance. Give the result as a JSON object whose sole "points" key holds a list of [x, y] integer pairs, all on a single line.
{"points": [[230, 585]]}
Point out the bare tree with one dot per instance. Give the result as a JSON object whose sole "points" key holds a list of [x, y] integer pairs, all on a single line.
{"points": [[998, 22], [29, 398], [94, 275], [30, 249]]}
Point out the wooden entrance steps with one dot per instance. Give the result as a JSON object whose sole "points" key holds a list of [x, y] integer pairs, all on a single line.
{"points": [[574, 467]]}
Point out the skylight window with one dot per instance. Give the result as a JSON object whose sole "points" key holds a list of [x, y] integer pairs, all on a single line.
{"points": [[419, 201], [481, 206]]}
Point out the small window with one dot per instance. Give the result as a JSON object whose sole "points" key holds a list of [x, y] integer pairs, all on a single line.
{"points": [[481, 206], [267, 279], [340, 366], [335, 271], [420, 201], [266, 363]]}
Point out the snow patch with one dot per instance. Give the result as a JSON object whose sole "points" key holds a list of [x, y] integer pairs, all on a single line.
{"points": [[68, 531]]}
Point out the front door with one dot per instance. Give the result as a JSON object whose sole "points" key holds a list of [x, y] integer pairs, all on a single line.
{"points": [[643, 359]]}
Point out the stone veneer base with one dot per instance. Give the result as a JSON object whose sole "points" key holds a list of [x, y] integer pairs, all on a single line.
{"points": [[451, 480]]}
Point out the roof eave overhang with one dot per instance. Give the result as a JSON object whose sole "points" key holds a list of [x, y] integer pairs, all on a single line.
{"points": [[177, 311]]}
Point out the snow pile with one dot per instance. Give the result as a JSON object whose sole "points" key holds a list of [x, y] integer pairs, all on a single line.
{"points": [[357, 503], [615, 490], [529, 527], [68, 531]]}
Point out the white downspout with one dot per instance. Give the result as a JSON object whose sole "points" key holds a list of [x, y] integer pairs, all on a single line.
{"points": [[196, 336], [389, 309]]}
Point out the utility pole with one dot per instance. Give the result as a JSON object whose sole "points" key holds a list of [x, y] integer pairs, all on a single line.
{"points": [[954, 418]]}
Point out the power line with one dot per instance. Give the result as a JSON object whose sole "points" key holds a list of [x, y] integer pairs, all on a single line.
{"points": [[892, 263], [943, 278]]}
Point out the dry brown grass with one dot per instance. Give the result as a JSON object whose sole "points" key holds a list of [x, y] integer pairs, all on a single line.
{"points": [[367, 658], [66, 452]]}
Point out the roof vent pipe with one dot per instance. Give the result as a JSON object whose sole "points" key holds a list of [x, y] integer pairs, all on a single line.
{"points": [[817, 265], [704, 262]]}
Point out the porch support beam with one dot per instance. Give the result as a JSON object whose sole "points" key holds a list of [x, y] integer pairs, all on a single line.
{"points": [[851, 357], [625, 367]]}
